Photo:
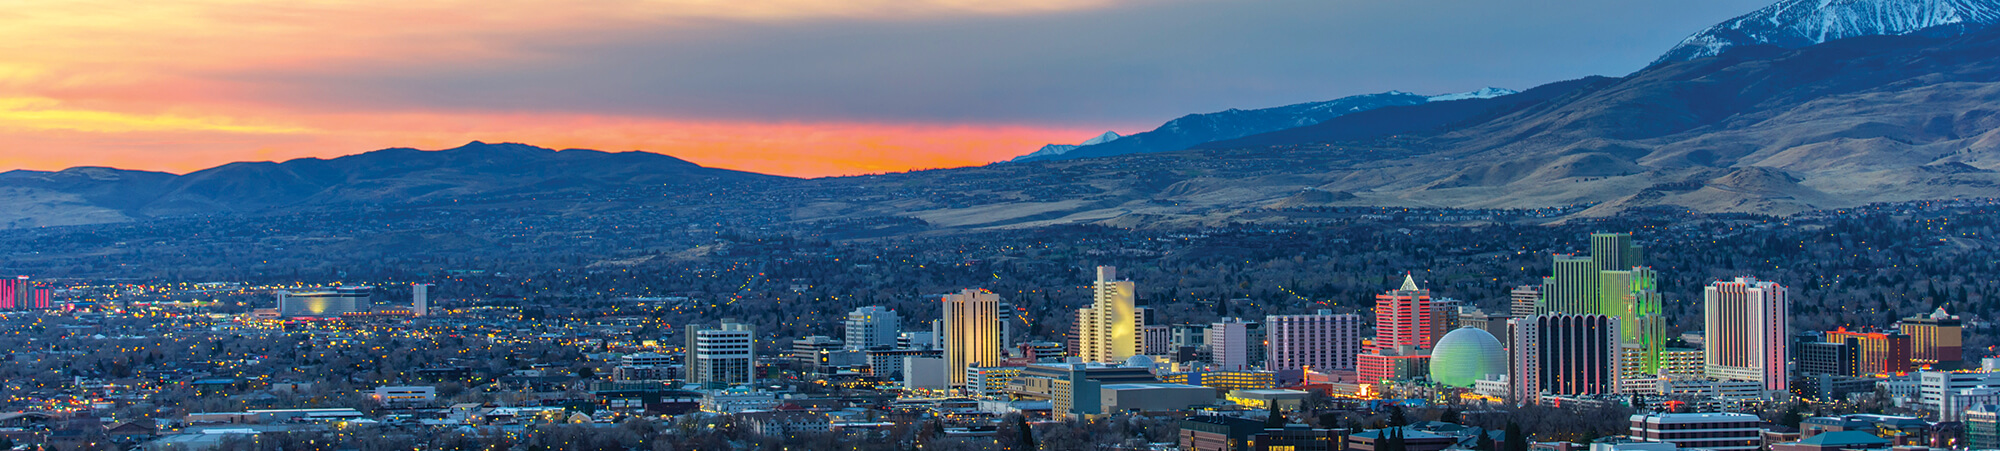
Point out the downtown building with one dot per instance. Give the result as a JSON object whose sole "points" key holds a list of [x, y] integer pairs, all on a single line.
{"points": [[1321, 342], [1746, 339], [1402, 336], [1935, 339], [970, 331], [1564, 355], [1612, 281], [721, 356], [1108, 330], [872, 327]]}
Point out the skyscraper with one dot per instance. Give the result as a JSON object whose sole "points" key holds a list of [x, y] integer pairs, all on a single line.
{"points": [[420, 299], [722, 356], [971, 332], [1611, 281], [1573, 288], [1108, 330], [1321, 342], [24, 292], [872, 326], [1564, 354], [1402, 335], [1746, 321]]}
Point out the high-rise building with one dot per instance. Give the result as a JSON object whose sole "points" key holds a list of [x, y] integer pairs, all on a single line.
{"points": [[1935, 338], [1746, 337], [1573, 288], [1874, 352], [420, 299], [1524, 301], [1108, 330], [722, 356], [871, 327], [1611, 281], [1565, 354], [1320, 342], [42, 298], [1229, 344], [24, 292], [1402, 335], [9, 288], [971, 332]]}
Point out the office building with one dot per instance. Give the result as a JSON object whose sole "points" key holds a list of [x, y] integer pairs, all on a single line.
{"points": [[1937, 338], [1982, 427], [1936, 389], [872, 327], [1565, 354], [1108, 330], [1229, 344], [1710, 431], [1444, 317], [971, 327], [1746, 338], [325, 303], [1524, 300], [723, 356], [990, 381], [1874, 352], [815, 353], [420, 299], [1402, 335], [1321, 341], [1826, 357]]}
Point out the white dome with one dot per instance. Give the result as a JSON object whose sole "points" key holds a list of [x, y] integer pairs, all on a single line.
{"points": [[1467, 355], [1139, 361]]}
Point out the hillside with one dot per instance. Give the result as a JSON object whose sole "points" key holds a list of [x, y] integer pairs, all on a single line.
{"points": [[90, 195]]}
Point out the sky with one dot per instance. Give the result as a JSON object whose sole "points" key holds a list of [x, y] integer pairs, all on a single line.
{"points": [[791, 87]]}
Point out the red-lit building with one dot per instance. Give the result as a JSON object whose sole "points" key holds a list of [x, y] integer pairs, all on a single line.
{"points": [[1403, 335], [42, 298], [1875, 352]]}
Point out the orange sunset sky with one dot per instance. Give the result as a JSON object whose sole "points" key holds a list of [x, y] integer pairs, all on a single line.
{"points": [[789, 87]]}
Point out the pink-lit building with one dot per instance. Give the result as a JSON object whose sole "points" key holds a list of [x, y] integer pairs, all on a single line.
{"points": [[1320, 342], [1401, 349]]}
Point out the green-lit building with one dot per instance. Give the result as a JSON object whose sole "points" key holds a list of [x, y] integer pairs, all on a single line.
{"points": [[1612, 281]]}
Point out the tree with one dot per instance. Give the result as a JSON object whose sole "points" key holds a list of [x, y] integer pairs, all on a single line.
{"points": [[1449, 416], [1485, 441], [1024, 436], [1516, 441], [1396, 418], [1276, 418], [586, 372]]}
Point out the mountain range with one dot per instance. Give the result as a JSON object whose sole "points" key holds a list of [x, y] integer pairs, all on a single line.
{"points": [[1776, 112], [86, 195], [1192, 130]]}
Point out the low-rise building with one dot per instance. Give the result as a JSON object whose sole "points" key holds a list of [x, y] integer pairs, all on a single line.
{"points": [[404, 395], [1714, 431], [786, 423], [1151, 397]]}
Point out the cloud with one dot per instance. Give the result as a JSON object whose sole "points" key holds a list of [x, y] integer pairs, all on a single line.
{"points": [[800, 87]]}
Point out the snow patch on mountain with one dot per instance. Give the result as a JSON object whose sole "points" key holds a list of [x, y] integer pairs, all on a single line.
{"points": [[1059, 149], [1800, 23], [1485, 93]]}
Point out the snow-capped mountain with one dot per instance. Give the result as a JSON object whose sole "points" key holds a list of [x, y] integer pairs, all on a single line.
{"points": [[1486, 93], [1059, 149], [1800, 23], [1195, 129]]}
